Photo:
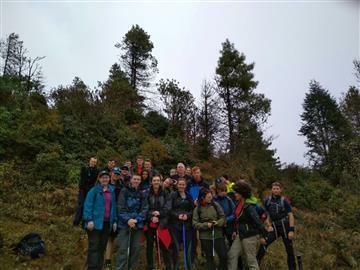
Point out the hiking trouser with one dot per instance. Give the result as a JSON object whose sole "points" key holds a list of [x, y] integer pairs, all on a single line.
{"points": [[220, 249], [122, 242], [177, 238], [97, 245], [272, 236], [246, 248], [79, 208], [150, 240]]}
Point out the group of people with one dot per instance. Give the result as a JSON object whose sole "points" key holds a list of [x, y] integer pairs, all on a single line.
{"points": [[122, 206]]}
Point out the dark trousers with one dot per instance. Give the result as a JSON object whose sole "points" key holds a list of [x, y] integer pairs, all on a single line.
{"points": [[97, 245], [128, 241], [150, 239], [220, 249], [279, 231], [177, 239], [79, 207]]}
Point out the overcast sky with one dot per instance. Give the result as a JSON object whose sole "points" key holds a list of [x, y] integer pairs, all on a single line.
{"points": [[290, 43]]}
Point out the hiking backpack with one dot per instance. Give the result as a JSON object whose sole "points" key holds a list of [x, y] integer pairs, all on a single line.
{"points": [[276, 210], [31, 244]]}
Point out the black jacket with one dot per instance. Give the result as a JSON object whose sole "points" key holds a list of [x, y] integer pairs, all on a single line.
{"points": [[159, 202], [181, 206], [88, 177], [248, 223]]}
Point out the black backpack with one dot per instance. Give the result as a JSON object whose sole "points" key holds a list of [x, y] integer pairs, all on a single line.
{"points": [[276, 210], [31, 244]]}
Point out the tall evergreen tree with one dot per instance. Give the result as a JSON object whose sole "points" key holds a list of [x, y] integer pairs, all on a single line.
{"points": [[326, 131], [137, 60], [243, 108]]}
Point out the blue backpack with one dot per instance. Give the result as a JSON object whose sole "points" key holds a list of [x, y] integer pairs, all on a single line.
{"points": [[31, 244]]}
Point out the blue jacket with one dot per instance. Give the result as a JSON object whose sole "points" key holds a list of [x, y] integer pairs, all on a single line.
{"points": [[229, 209], [194, 187], [94, 207], [132, 204]]}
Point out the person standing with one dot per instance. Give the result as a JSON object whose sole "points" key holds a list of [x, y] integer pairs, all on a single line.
{"points": [[248, 227], [157, 218], [132, 212], [283, 224], [88, 177], [110, 165], [100, 218], [209, 219], [182, 207]]}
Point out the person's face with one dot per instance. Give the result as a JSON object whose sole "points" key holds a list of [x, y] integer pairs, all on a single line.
{"points": [[197, 175], [181, 186], [128, 164], [188, 171], [238, 196], [135, 181], [124, 172], [144, 175], [111, 164], [222, 193], [139, 161], [147, 165], [115, 177], [276, 190], [167, 183], [93, 162], [180, 169], [156, 182], [208, 198], [172, 172], [104, 180]]}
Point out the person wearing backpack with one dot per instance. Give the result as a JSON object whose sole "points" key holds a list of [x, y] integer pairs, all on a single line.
{"points": [[100, 218], [209, 219], [159, 207], [228, 207], [132, 212], [282, 220], [180, 222], [248, 228]]}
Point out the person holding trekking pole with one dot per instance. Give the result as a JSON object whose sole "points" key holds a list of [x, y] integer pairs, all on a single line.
{"points": [[100, 218], [157, 219], [283, 224], [182, 207], [248, 227], [132, 212], [209, 219]]}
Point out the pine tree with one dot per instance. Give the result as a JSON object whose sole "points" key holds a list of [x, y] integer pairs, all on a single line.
{"points": [[137, 60]]}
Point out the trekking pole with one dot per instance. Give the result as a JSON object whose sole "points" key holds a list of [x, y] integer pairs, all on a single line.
{"points": [[158, 249], [213, 240], [184, 242], [128, 250]]}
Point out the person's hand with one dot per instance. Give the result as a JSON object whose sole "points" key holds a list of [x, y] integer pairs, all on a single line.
{"points": [[263, 241], [155, 219], [214, 223], [233, 236], [196, 202], [156, 213], [209, 224], [291, 235], [114, 227], [90, 226], [181, 216], [132, 222], [185, 217], [270, 229]]}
